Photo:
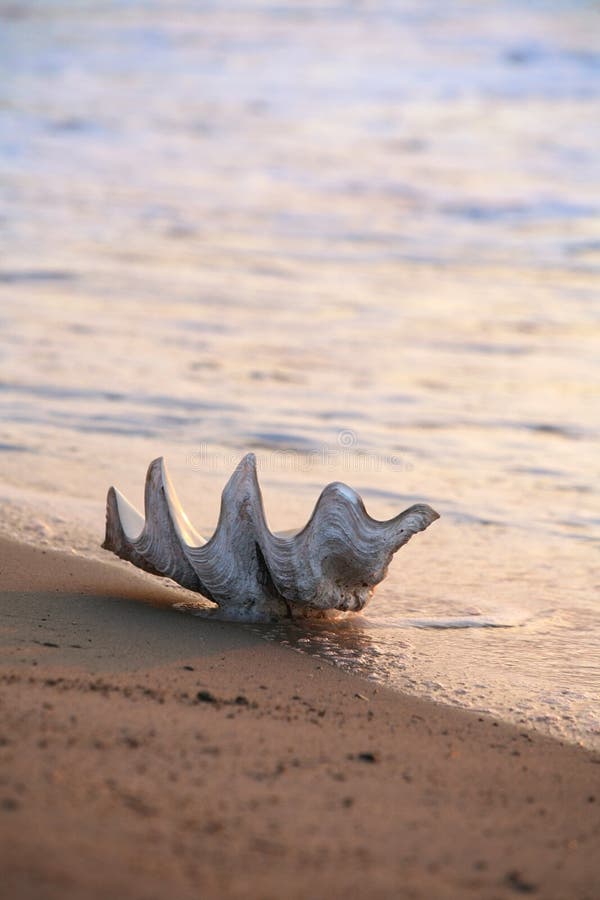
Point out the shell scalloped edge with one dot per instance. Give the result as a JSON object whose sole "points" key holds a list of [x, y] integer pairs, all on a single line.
{"points": [[334, 562]]}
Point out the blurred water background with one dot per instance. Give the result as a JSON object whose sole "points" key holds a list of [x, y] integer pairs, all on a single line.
{"points": [[359, 238]]}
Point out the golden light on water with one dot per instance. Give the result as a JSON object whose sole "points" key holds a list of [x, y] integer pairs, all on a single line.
{"points": [[260, 231]]}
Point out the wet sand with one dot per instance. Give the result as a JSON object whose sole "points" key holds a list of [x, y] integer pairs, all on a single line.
{"points": [[144, 754]]}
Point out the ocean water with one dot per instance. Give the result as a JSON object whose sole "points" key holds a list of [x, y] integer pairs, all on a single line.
{"points": [[359, 238]]}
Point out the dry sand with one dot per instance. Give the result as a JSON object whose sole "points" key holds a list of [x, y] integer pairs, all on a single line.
{"points": [[148, 754]]}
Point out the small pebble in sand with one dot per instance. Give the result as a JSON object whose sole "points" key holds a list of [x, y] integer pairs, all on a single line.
{"points": [[518, 883], [205, 697], [367, 757]]}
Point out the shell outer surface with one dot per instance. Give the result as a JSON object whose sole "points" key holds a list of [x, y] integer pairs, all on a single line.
{"points": [[333, 563]]}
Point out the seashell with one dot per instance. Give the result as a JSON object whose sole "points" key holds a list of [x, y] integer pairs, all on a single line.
{"points": [[333, 563]]}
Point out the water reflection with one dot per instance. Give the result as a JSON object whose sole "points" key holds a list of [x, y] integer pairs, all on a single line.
{"points": [[371, 645], [347, 642], [529, 676]]}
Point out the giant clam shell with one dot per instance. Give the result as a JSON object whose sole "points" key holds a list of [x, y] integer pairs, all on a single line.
{"points": [[334, 562]]}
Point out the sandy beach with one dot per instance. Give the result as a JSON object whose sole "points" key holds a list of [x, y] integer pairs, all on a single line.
{"points": [[145, 753], [361, 241]]}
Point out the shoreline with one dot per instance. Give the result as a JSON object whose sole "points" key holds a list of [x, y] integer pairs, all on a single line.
{"points": [[143, 751], [542, 675]]}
